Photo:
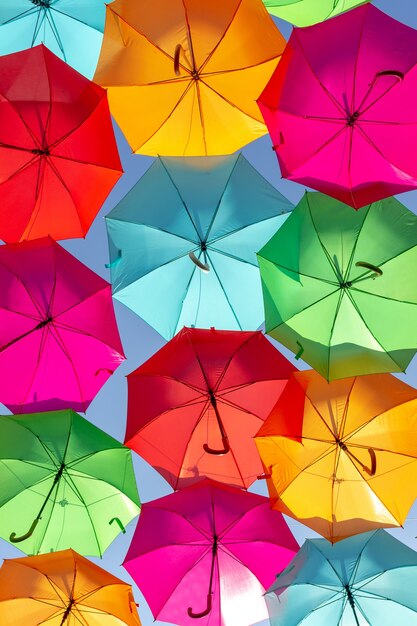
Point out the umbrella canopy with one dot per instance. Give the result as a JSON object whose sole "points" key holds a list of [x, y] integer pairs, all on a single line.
{"points": [[218, 548], [59, 341], [183, 76], [58, 153], [352, 442], [362, 581], [194, 407], [63, 588], [72, 29], [65, 483], [340, 107], [340, 288], [183, 242], [307, 12]]}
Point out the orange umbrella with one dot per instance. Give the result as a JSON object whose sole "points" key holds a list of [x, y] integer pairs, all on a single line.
{"points": [[63, 589], [341, 456], [183, 75]]}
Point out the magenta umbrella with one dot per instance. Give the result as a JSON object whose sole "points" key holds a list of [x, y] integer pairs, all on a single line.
{"points": [[340, 107], [59, 341], [207, 553]]}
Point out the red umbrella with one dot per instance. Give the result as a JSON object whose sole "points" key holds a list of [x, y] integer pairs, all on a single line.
{"points": [[59, 341], [58, 154], [194, 406]]}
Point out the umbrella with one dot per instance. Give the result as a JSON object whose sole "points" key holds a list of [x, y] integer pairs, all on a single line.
{"points": [[59, 341], [183, 242], [183, 76], [366, 580], [340, 107], [352, 443], [340, 288], [58, 154], [65, 483], [307, 12], [63, 589], [208, 552], [72, 29], [194, 407]]}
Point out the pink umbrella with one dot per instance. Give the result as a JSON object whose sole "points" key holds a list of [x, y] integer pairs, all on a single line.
{"points": [[208, 552], [59, 341], [340, 107]]}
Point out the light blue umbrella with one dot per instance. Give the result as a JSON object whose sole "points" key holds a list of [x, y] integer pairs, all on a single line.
{"points": [[72, 29], [366, 580], [183, 243]]}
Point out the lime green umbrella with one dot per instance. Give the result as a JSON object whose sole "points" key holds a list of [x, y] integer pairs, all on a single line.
{"points": [[307, 12], [64, 483], [340, 286]]}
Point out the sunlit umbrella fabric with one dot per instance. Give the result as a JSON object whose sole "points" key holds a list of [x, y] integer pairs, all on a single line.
{"points": [[307, 12], [63, 588], [352, 443], [58, 154], [340, 107], [183, 243], [65, 483], [183, 76], [194, 407], [218, 548], [366, 580], [72, 29], [339, 286], [59, 341]]}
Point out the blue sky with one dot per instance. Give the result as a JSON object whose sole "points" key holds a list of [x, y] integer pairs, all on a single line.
{"points": [[108, 410]]}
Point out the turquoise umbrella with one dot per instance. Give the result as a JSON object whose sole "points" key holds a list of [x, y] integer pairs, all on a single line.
{"points": [[72, 29], [183, 243], [366, 580]]}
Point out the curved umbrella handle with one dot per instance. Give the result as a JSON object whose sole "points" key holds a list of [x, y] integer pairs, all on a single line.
{"points": [[202, 266], [177, 53], [119, 523], [14, 539], [372, 470], [369, 266], [225, 450], [115, 261], [300, 352], [394, 73], [203, 613]]}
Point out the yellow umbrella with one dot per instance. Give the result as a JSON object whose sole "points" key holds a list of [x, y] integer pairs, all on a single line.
{"points": [[183, 76], [341, 456]]}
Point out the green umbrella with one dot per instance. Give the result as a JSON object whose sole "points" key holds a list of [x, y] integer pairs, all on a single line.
{"points": [[64, 483], [307, 12], [340, 286]]}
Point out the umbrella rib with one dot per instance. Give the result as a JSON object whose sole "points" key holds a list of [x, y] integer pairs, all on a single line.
{"points": [[117, 16], [60, 342], [212, 52], [40, 18], [237, 230], [74, 18], [284, 322], [355, 69], [157, 228], [55, 32], [224, 292], [77, 492], [227, 365], [216, 210], [371, 333], [332, 264], [336, 313], [331, 97], [229, 102], [299, 273], [341, 431], [22, 15], [180, 197]]}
